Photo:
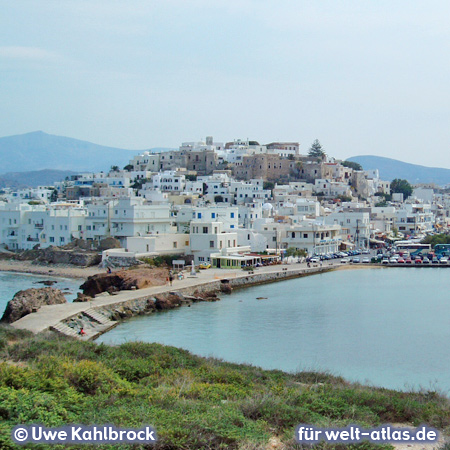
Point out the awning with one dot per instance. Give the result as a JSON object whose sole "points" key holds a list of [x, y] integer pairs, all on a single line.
{"points": [[377, 241]]}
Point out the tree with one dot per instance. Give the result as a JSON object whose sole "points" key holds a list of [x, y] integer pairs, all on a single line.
{"points": [[128, 167], [54, 196], [399, 186], [292, 251], [436, 239], [268, 185], [138, 183], [316, 150], [352, 165], [115, 168]]}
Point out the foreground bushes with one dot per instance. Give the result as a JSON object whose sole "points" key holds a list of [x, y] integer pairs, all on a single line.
{"points": [[193, 402]]}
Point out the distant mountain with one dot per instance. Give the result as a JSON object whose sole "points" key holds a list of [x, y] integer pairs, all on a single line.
{"points": [[392, 168], [39, 150], [36, 178]]}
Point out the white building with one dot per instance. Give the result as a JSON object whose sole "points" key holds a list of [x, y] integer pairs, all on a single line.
{"points": [[24, 226], [128, 217], [209, 237], [169, 181], [313, 237], [227, 215], [159, 244], [355, 226], [414, 219]]}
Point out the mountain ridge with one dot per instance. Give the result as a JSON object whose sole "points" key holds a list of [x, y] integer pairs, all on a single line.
{"points": [[38, 150], [390, 169]]}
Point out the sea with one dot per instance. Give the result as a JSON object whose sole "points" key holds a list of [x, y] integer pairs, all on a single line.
{"points": [[385, 327], [12, 282]]}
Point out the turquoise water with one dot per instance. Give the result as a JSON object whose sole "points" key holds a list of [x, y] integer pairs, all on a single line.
{"points": [[11, 282], [388, 327]]}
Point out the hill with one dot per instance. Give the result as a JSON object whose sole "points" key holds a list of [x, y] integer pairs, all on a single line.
{"points": [[392, 168], [38, 150], [35, 178]]}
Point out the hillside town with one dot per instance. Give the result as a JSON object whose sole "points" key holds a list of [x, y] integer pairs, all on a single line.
{"points": [[222, 204]]}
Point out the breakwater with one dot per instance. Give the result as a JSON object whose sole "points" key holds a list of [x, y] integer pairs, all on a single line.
{"points": [[105, 311]]}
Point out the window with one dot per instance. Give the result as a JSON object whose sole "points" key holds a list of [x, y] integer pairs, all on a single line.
{"points": [[175, 245], [51, 239], [231, 226], [305, 235], [211, 244], [232, 215], [213, 215], [205, 230]]}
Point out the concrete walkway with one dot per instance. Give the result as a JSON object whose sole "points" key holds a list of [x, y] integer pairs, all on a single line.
{"points": [[51, 315]]}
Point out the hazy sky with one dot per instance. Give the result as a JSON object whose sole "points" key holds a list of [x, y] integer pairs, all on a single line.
{"points": [[364, 77]]}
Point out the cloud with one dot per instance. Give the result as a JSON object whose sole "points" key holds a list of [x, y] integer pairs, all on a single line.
{"points": [[28, 54]]}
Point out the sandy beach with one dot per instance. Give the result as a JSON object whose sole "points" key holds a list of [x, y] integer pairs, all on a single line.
{"points": [[52, 270]]}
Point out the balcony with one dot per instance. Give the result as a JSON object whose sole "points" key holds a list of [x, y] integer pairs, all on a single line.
{"points": [[39, 226]]}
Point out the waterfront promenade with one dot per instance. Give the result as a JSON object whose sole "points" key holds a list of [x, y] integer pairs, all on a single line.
{"points": [[51, 315]]}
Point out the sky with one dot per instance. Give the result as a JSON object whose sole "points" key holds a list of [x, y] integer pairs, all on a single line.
{"points": [[363, 77]]}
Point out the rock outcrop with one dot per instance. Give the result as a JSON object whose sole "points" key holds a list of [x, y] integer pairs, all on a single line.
{"points": [[123, 280], [30, 300], [82, 298], [55, 255]]}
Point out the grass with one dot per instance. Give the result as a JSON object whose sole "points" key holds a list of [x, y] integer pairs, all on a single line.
{"points": [[193, 402]]}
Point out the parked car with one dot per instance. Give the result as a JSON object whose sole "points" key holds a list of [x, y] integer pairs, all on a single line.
{"points": [[408, 261], [366, 260], [418, 261], [401, 260], [356, 260], [204, 266], [345, 260], [385, 261], [425, 260], [443, 260]]}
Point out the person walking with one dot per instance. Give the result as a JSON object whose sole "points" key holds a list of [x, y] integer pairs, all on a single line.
{"points": [[170, 277]]}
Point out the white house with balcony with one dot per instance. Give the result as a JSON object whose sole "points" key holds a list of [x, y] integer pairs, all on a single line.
{"points": [[127, 217], [24, 226], [169, 181], [313, 237], [414, 218]]}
